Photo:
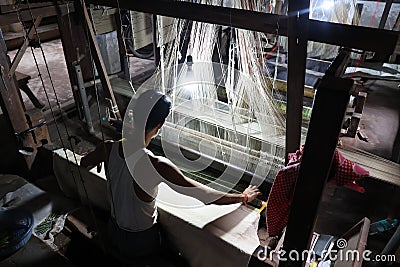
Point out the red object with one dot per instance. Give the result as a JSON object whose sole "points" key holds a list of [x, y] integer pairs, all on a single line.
{"points": [[344, 172], [270, 52]]}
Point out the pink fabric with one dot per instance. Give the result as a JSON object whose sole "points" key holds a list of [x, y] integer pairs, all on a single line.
{"points": [[344, 172]]}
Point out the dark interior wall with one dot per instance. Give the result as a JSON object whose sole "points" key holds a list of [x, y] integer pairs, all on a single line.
{"points": [[11, 162]]}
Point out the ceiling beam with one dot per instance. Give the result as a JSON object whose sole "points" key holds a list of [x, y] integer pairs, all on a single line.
{"points": [[357, 37], [363, 38], [237, 18], [48, 11]]}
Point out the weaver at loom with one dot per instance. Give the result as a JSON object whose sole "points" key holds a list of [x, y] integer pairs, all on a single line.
{"points": [[133, 228]]}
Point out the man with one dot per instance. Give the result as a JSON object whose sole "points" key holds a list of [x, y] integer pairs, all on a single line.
{"points": [[134, 173]]}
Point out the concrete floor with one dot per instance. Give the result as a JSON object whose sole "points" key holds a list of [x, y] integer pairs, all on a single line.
{"points": [[380, 119], [339, 209], [54, 56]]}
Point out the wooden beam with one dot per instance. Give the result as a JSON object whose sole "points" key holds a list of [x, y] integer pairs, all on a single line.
{"points": [[329, 108], [101, 69], [357, 37], [6, 2], [49, 11], [12, 104], [22, 6], [74, 38], [24, 46], [238, 18]]}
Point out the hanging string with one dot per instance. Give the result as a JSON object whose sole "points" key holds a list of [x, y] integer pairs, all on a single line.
{"points": [[60, 110], [100, 119], [125, 47], [45, 91]]}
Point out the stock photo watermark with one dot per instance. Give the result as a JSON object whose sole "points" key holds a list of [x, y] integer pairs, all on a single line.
{"points": [[341, 253]]}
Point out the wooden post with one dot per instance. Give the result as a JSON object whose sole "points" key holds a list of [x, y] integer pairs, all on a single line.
{"points": [[74, 39], [297, 58], [329, 108], [12, 104]]}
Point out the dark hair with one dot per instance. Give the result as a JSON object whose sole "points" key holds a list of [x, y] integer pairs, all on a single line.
{"points": [[151, 109]]}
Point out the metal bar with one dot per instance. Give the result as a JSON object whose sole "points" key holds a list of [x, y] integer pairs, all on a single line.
{"points": [[84, 99], [297, 58], [325, 124], [324, 32], [101, 69], [21, 51]]}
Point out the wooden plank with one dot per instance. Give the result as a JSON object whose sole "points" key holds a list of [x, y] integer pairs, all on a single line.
{"points": [[104, 21], [49, 11], [22, 6], [41, 134], [122, 87], [46, 32], [356, 239], [324, 32], [379, 168], [101, 69]]}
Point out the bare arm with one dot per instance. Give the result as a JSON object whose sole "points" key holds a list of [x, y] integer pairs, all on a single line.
{"points": [[185, 185], [97, 156]]}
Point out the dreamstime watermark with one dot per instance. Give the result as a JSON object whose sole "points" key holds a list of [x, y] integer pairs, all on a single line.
{"points": [[340, 253]]}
